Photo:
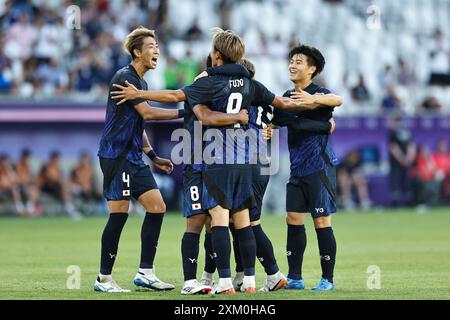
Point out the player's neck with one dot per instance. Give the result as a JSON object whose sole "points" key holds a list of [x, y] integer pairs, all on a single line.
{"points": [[140, 68], [302, 84]]}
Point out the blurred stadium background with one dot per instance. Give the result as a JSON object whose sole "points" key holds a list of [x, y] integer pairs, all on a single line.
{"points": [[389, 60]]}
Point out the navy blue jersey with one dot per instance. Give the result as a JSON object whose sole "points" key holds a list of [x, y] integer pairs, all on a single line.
{"points": [[259, 117], [229, 94], [124, 127], [309, 151], [189, 120]]}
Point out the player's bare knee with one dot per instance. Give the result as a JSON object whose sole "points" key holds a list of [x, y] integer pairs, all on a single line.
{"points": [[159, 207], [322, 222], [195, 224], [295, 218]]}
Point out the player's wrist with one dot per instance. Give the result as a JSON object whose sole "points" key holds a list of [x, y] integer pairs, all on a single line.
{"points": [[152, 155]]}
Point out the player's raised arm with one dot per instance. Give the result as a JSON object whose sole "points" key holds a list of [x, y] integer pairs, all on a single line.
{"points": [[214, 118], [302, 101], [148, 112], [320, 99], [130, 92]]}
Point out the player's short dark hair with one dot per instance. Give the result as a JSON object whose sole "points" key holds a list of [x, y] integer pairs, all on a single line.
{"points": [[209, 61], [315, 57], [135, 39], [249, 66]]}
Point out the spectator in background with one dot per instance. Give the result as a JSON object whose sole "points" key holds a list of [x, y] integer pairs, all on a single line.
{"points": [[440, 60], [52, 182], [402, 152], [82, 179], [20, 38], [426, 182], [441, 160], [27, 184], [405, 75], [9, 189], [349, 175], [391, 102], [387, 78], [194, 33], [430, 105], [189, 68], [6, 75], [171, 74], [360, 92]]}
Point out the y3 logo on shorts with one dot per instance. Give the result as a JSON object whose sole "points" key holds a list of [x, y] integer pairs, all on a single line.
{"points": [[319, 210], [126, 179]]}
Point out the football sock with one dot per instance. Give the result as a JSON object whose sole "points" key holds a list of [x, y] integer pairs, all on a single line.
{"points": [[151, 228], [210, 263], [247, 247], [236, 250], [327, 250], [189, 254], [264, 250], [222, 250], [110, 241], [296, 244]]}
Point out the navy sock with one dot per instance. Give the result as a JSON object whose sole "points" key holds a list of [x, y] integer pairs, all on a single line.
{"points": [[247, 246], [296, 244], [210, 263], [110, 241], [151, 227], [327, 250], [222, 250], [264, 251], [189, 254], [236, 250]]}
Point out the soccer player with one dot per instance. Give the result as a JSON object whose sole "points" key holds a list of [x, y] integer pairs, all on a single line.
{"points": [[260, 119], [125, 174], [312, 184], [229, 186], [193, 188]]}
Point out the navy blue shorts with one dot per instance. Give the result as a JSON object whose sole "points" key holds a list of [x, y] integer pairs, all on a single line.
{"points": [[259, 185], [123, 179], [228, 185], [192, 192], [315, 193]]}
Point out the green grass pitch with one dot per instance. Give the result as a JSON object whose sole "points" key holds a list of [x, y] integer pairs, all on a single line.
{"points": [[411, 250]]}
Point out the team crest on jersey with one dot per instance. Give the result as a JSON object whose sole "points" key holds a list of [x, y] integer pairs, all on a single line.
{"points": [[126, 193], [196, 206]]}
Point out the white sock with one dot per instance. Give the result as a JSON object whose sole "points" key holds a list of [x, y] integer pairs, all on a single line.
{"points": [[104, 277], [146, 271], [249, 282], [189, 282], [225, 283]]}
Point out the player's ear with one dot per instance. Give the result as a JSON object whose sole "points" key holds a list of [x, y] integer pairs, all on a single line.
{"points": [[312, 69], [137, 53]]}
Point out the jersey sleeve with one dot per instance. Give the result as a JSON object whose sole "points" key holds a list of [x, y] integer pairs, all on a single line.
{"points": [[200, 92], [134, 81], [323, 90], [262, 96]]}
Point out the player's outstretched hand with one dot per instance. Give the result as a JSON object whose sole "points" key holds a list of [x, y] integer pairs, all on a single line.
{"points": [[163, 164], [333, 125], [243, 116], [303, 97], [129, 92], [201, 75]]}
